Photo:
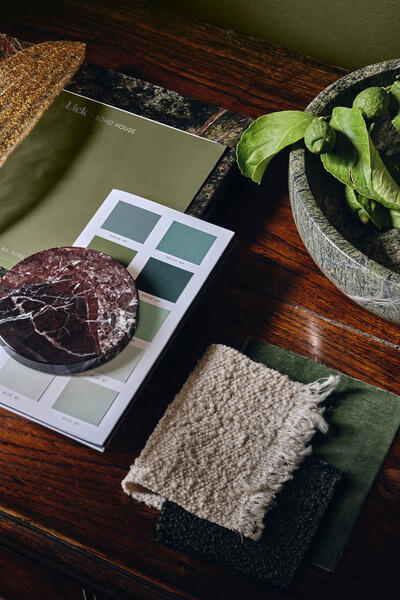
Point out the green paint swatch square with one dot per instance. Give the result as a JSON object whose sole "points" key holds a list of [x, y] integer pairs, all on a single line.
{"points": [[122, 365], [150, 320], [23, 380], [120, 253], [84, 400], [163, 280], [131, 221], [186, 242]]}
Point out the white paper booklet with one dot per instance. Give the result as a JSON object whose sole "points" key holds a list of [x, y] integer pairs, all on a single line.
{"points": [[170, 255]]}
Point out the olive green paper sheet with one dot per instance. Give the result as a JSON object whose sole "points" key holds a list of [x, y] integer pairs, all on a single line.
{"points": [[363, 421], [79, 151]]}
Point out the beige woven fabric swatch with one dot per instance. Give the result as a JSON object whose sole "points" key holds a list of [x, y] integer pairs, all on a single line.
{"points": [[230, 439]]}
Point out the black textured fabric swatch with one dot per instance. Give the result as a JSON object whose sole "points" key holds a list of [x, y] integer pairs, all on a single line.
{"points": [[289, 528]]}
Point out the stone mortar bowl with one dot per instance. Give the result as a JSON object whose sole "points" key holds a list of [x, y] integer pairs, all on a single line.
{"points": [[362, 261]]}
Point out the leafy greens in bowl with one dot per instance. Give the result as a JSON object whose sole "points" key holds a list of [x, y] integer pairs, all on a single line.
{"points": [[335, 193]]}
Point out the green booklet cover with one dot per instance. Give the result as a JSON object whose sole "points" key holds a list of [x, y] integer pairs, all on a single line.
{"points": [[97, 176], [82, 149]]}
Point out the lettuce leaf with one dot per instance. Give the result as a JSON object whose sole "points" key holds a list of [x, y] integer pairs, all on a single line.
{"points": [[356, 162], [267, 136]]}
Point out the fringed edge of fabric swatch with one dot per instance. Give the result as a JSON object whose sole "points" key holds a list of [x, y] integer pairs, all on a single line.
{"points": [[262, 490]]}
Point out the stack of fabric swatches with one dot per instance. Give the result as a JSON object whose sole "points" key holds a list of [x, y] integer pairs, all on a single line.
{"points": [[231, 469]]}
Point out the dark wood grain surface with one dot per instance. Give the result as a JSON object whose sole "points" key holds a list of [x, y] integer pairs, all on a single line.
{"points": [[62, 509]]}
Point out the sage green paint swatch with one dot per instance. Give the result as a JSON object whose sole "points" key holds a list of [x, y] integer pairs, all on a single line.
{"points": [[120, 253], [363, 421], [163, 280], [151, 318], [24, 380], [122, 365], [130, 221], [84, 400], [186, 242]]}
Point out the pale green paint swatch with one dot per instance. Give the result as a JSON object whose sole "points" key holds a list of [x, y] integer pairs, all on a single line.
{"points": [[130, 221], [84, 400], [151, 318], [122, 365], [186, 242], [24, 380], [120, 253]]}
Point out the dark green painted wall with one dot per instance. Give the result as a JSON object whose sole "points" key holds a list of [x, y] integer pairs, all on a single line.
{"points": [[349, 33]]}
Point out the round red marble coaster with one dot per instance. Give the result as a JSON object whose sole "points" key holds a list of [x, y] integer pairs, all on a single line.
{"points": [[67, 309]]}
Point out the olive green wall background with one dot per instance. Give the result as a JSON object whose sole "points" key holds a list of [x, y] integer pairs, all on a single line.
{"points": [[349, 33]]}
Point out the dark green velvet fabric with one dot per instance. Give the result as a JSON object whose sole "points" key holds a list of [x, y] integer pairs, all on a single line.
{"points": [[289, 528], [363, 421]]}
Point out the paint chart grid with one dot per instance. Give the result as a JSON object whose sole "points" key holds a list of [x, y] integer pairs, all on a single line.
{"points": [[170, 255]]}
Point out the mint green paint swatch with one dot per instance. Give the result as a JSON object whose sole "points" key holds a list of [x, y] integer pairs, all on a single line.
{"points": [[24, 380], [120, 253], [150, 320], [130, 221], [122, 365], [163, 280], [186, 242], [84, 400]]}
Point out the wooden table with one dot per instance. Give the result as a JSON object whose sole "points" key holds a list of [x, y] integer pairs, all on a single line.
{"points": [[67, 529]]}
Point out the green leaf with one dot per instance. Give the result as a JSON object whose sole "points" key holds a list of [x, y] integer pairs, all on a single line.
{"points": [[367, 209], [354, 205], [351, 199], [395, 218], [394, 104], [392, 163], [343, 162], [266, 136], [356, 162]]}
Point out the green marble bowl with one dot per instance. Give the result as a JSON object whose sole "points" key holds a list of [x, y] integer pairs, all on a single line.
{"points": [[359, 259]]}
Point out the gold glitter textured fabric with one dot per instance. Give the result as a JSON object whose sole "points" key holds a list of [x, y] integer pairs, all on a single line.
{"points": [[29, 82]]}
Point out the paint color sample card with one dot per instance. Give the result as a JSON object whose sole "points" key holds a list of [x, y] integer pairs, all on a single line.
{"points": [[170, 255], [80, 150], [183, 242]]}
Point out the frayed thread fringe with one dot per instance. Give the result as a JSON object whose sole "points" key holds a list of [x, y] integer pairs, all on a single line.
{"points": [[323, 387], [261, 495]]}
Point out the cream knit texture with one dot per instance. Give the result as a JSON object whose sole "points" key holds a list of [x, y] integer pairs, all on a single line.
{"points": [[229, 440]]}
